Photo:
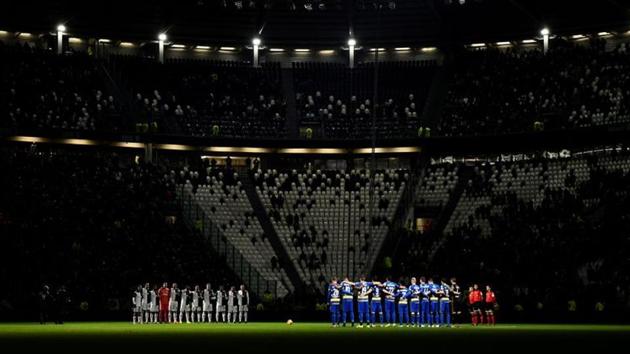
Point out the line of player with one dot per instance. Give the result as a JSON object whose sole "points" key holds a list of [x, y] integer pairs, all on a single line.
{"points": [[419, 304], [175, 305]]}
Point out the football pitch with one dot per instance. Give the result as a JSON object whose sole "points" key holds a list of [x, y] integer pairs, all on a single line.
{"points": [[311, 337]]}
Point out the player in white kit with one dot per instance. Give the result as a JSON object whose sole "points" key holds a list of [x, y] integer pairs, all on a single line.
{"points": [[208, 297], [195, 305], [220, 305], [243, 304], [136, 300], [184, 305], [232, 305], [173, 304], [153, 305], [145, 304]]}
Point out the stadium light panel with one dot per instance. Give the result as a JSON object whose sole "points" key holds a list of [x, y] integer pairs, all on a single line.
{"points": [[256, 41], [3, 33], [162, 37], [578, 36], [178, 46], [302, 50], [75, 40], [504, 43], [545, 31], [24, 35], [327, 52], [528, 41], [227, 48], [202, 47], [402, 49], [352, 42], [478, 45], [379, 49], [604, 34], [126, 44], [61, 28], [104, 40], [276, 50], [428, 49]]}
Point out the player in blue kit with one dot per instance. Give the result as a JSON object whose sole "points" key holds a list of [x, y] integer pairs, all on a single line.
{"points": [[425, 313], [363, 301], [434, 305], [414, 298], [376, 304], [403, 304], [445, 304], [389, 289], [347, 305], [334, 299]]}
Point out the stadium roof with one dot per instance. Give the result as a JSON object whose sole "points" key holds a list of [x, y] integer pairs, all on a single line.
{"points": [[319, 22]]}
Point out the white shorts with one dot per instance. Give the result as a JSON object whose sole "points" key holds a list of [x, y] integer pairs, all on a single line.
{"points": [[137, 308], [145, 306], [220, 308], [243, 308], [184, 308], [207, 306], [232, 309], [195, 308], [173, 306], [153, 307]]}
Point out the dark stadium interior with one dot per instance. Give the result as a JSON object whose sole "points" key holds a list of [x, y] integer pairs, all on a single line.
{"points": [[284, 144]]}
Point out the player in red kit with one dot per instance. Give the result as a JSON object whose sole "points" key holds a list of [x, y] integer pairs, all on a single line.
{"points": [[491, 302], [164, 293], [475, 299]]}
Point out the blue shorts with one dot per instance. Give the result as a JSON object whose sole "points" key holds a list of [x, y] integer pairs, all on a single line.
{"points": [[347, 305], [414, 306], [334, 307], [363, 306], [377, 306]]}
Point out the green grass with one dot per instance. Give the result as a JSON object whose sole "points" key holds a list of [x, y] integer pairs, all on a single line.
{"points": [[309, 337]]}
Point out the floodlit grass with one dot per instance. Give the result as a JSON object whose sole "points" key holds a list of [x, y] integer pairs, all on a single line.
{"points": [[309, 337]]}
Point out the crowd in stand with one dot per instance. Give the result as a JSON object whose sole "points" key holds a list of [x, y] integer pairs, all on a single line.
{"points": [[338, 102], [44, 91], [505, 91], [206, 98], [96, 223]]}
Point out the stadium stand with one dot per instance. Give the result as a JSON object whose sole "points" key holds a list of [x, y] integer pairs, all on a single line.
{"points": [[325, 220], [506, 91], [221, 196], [43, 91], [206, 98]]}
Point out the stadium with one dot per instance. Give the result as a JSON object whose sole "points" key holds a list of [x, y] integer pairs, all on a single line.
{"points": [[315, 175]]}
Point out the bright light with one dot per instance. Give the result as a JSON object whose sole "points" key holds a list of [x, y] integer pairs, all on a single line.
{"points": [[61, 28], [302, 50], [375, 49], [604, 34], [528, 41], [276, 50], [544, 31], [327, 51], [577, 36], [478, 45], [352, 42], [256, 41], [75, 40], [24, 35], [104, 40], [162, 37], [202, 47], [3, 33], [178, 46], [428, 49], [227, 48], [402, 49], [503, 43], [126, 44]]}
